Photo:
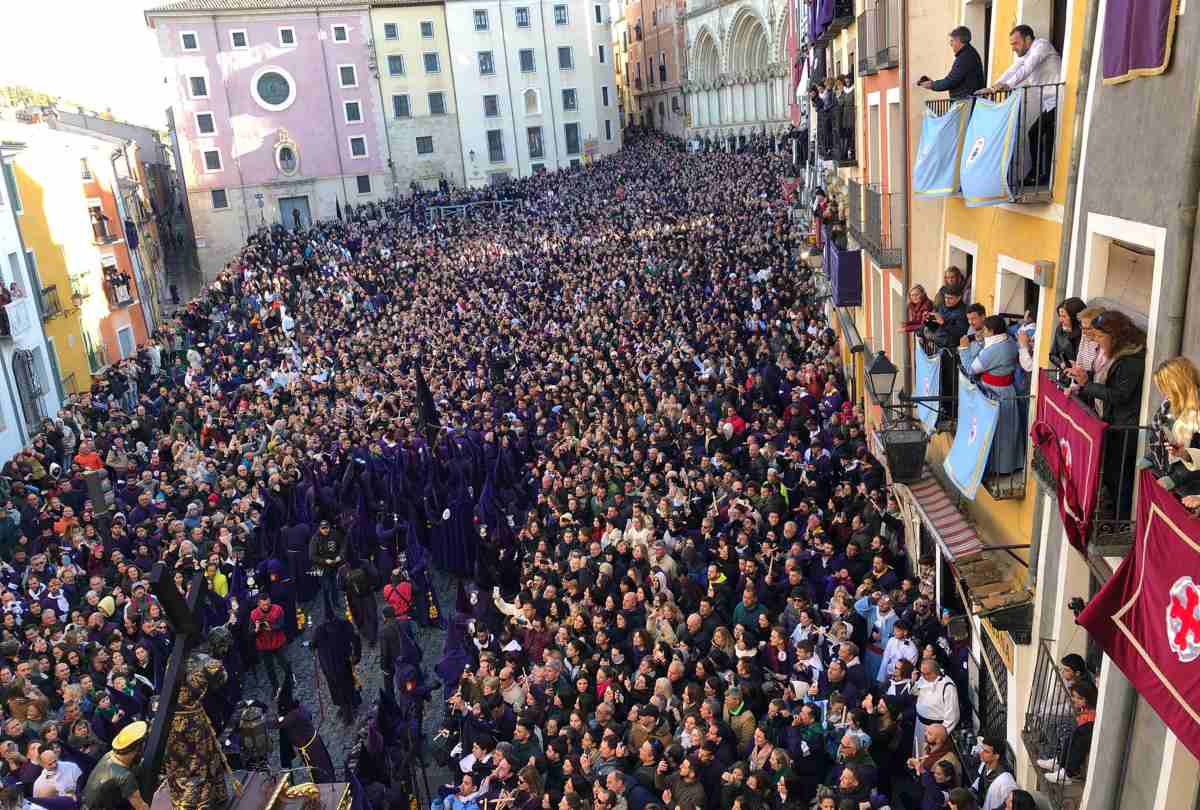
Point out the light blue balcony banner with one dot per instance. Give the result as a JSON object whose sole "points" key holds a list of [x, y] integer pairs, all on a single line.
{"points": [[928, 383], [935, 171], [988, 151], [977, 416]]}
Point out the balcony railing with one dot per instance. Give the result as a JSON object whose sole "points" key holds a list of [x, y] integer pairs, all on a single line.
{"points": [[854, 212], [1113, 516], [119, 291], [1049, 729], [843, 18], [868, 48], [16, 318], [887, 34], [939, 106], [1031, 175], [832, 142], [49, 304], [1010, 486], [884, 224]]}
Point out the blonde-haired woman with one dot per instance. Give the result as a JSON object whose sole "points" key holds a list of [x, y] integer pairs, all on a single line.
{"points": [[1178, 422]]}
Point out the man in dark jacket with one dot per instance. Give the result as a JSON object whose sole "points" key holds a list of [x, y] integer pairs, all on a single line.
{"points": [[966, 74], [327, 550], [846, 116]]}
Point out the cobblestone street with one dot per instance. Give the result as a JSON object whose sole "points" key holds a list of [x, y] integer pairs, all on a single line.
{"points": [[313, 692]]}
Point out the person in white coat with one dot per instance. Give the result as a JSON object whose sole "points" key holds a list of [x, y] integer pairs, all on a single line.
{"points": [[937, 699]]}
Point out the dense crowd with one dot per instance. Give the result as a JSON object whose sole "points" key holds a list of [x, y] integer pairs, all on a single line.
{"points": [[615, 411]]}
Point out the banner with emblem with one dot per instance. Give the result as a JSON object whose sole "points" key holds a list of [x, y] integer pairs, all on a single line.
{"points": [[1147, 616], [789, 186], [927, 382], [935, 170], [1070, 438], [977, 417], [988, 150]]}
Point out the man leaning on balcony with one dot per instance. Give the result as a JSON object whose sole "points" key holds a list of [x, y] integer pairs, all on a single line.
{"points": [[1037, 65], [966, 74]]}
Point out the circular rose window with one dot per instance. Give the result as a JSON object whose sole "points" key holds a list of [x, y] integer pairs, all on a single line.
{"points": [[273, 89]]}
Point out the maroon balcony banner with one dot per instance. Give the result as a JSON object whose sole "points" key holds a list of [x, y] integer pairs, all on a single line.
{"points": [[1137, 38], [1147, 617], [1071, 439]]}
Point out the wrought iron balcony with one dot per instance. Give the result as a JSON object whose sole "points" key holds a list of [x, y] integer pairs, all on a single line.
{"points": [[882, 236], [119, 291], [832, 142], [16, 318], [868, 50], [1035, 142], [843, 18], [854, 206], [887, 33], [49, 304], [1048, 731], [1111, 530]]}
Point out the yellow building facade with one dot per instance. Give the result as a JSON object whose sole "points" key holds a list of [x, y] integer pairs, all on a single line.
{"points": [[620, 49], [416, 81], [56, 227]]}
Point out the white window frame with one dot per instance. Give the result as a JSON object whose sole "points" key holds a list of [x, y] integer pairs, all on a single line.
{"points": [[570, 56], [600, 48], [199, 131], [370, 185], [387, 59], [350, 146], [342, 84], [346, 111], [195, 36], [574, 90], [417, 145], [401, 117], [437, 56], [429, 102], [608, 132], [204, 153], [333, 29], [486, 96], [599, 14], [295, 41], [212, 200], [487, 142], [432, 29], [207, 89], [479, 62], [395, 29], [605, 97], [566, 11], [517, 19], [487, 23], [520, 64], [245, 38]]}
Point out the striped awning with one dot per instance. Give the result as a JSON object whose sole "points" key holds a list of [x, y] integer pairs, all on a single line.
{"points": [[949, 528]]}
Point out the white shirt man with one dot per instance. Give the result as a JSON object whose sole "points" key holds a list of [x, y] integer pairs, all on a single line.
{"points": [[899, 647], [1036, 63], [937, 700], [58, 778]]}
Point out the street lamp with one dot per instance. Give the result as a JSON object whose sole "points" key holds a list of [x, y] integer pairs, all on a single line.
{"points": [[881, 379], [903, 440]]}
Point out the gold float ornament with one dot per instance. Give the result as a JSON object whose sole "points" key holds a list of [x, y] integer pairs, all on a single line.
{"points": [[301, 619], [433, 612], [308, 793]]}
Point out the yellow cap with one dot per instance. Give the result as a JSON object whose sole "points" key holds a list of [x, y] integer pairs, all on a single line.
{"points": [[130, 736]]}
